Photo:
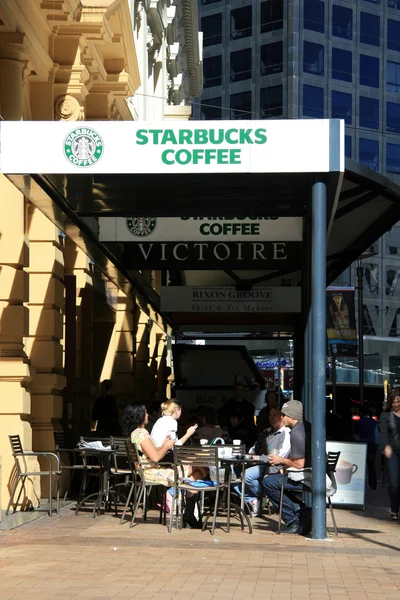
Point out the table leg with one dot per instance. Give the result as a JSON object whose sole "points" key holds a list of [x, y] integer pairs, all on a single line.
{"points": [[228, 518]]}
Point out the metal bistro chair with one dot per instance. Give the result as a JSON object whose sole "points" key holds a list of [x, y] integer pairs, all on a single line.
{"points": [[331, 462], [22, 473], [139, 486], [120, 472], [73, 455], [204, 456]]}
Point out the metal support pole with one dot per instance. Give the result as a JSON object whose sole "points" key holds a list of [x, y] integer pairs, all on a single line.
{"points": [[307, 369], [360, 288], [318, 382], [334, 352]]}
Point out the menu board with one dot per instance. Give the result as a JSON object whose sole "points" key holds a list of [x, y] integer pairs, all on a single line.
{"points": [[350, 473]]}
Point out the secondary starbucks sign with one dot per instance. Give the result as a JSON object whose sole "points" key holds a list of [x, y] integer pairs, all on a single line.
{"points": [[197, 229], [128, 147]]}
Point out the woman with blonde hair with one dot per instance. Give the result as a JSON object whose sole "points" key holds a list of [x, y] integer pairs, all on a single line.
{"points": [[167, 425]]}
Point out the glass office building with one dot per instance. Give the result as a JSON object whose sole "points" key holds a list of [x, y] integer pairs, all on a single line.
{"points": [[314, 59]]}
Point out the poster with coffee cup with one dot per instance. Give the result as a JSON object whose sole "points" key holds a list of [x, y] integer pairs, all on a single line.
{"points": [[350, 473]]}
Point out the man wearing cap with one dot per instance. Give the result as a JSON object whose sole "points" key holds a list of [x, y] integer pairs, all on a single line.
{"points": [[300, 457]]}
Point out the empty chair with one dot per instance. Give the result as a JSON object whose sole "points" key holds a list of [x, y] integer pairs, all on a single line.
{"points": [[22, 473], [75, 462]]}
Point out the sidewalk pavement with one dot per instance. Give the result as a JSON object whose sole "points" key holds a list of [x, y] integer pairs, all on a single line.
{"points": [[79, 558]]}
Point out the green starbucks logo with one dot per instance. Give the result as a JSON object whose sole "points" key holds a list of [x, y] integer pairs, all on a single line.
{"points": [[83, 147], [141, 226]]}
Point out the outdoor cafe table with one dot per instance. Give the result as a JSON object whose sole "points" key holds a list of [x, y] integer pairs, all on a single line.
{"points": [[104, 492], [243, 463]]}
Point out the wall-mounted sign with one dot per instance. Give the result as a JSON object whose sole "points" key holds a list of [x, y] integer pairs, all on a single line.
{"points": [[285, 146], [212, 255], [196, 229], [230, 300]]}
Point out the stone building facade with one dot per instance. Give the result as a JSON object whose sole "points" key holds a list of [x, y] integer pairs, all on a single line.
{"points": [[64, 325]]}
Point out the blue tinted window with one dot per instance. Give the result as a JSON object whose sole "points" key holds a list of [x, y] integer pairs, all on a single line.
{"points": [[313, 60], [271, 15], [241, 106], [342, 65], [370, 29], [342, 22], [393, 35], [393, 158], [212, 71], [369, 112], [314, 16], [373, 1], [211, 109], [394, 4], [368, 153], [313, 101], [393, 117], [271, 58], [241, 65], [392, 76], [271, 102], [347, 146], [341, 106], [212, 29], [369, 70]]}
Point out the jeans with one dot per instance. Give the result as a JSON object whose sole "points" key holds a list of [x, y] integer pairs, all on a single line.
{"points": [[252, 487], [394, 480], [291, 505]]}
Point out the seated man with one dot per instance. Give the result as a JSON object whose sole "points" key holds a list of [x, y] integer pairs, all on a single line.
{"points": [[300, 457], [274, 440]]}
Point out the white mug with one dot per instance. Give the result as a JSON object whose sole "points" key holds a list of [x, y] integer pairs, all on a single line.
{"points": [[237, 442], [203, 442]]}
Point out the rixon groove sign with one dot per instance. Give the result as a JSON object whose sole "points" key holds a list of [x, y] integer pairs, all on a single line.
{"points": [[196, 229]]}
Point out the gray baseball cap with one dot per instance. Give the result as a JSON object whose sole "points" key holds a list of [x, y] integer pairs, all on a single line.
{"points": [[293, 409]]}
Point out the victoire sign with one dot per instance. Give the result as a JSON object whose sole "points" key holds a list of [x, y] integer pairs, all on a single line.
{"points": [[287, 146], [196, 229], [230, 300], [212, 255]]}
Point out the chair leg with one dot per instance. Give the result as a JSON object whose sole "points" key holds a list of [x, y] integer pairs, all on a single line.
{"points": [[50, 496], [171, 514], [12, 496], [333, 516], [281, 502], [20, 492], [215, 510], [127, 503], [142, 491]]}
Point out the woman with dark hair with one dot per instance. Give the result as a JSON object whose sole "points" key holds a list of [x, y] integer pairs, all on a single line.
{"points": [[105, 410], [390, 437]]}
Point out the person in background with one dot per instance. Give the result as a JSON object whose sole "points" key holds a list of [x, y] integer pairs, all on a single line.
{"points": [[208, 428], [154, 414], [238, 402], [365, 429], [240, 430], [105, 410], [390, 437], [274, 440], [263, 417]]}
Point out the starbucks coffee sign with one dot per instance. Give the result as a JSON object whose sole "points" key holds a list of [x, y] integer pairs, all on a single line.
{"points": [[128, 147], [197, 229]]}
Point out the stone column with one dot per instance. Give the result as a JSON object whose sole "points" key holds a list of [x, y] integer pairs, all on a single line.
{"points": [[15, 373], [44, 344], [141, 350], [122, 373]]}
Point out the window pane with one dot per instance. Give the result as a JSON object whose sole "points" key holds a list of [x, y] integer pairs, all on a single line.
{"points": [[369, 153], [342, 64], [314, 16], [369, 70], [341, 106], [392, 76], [342, 22], [393, 159], [394, 4], [369, 112], [313, 60], [271, 58], [373, 1], [241, 106], [211, 109], [313, 101], [241, 22], [271, 102], [204, 2], [393, 117], [241, 65], [393, 35], [212, 71], [271, 15], [370, 29], [347, 146], [212, 29]]}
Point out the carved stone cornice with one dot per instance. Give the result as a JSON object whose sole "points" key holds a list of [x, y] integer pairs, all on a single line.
{"points": [[12, 45]]}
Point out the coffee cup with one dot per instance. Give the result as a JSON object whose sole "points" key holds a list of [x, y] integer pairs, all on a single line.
{"points": [[203, 442], [274, 451], [345, 471], [237, 442]]}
